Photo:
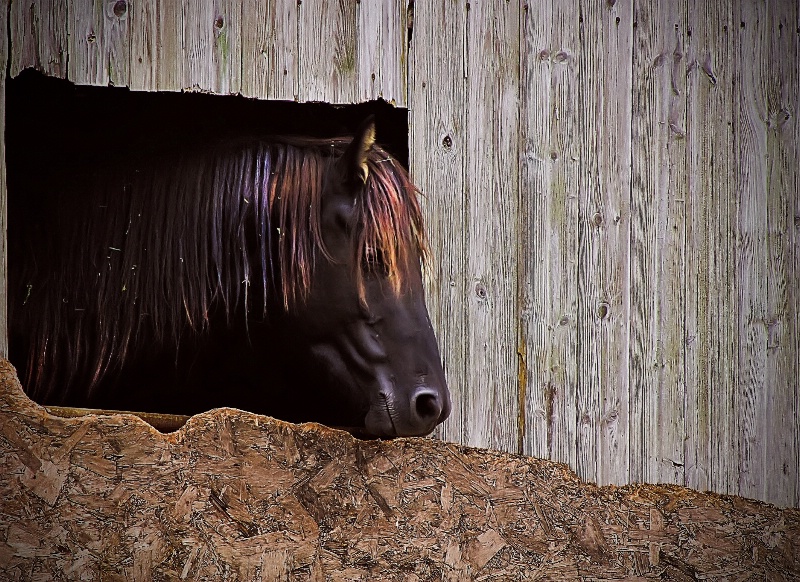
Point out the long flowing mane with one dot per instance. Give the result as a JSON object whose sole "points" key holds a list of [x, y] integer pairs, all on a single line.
{"points": [[157, 248]]}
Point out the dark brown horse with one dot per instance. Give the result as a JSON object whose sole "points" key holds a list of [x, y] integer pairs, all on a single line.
{"points": [[282, 276]]}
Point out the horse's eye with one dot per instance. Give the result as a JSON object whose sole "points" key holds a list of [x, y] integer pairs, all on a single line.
{"points": [[374, 261]]}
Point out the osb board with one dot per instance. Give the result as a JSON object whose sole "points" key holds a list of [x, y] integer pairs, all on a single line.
{"points": [[237, 496]]}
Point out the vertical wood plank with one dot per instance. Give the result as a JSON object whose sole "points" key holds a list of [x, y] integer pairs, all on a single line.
{"points": [[795, 282], [22, 36], [492, 402], [549, 174], [211, 46], [437, 138], [710, 284], [38, 37], [99, 46], [768, 367], [144, 27], [4, 46], [270, 50], [782, 437], [169, 57], [656, 243], [536, 168], [751, 249], [604, 72], [382, 70], [328, 61]]}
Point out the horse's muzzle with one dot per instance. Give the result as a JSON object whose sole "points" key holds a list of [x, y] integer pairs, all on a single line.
{"points": [[415, 415]]}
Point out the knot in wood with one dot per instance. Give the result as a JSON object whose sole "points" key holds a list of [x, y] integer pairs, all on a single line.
{"points": [[120, 8], [447, 142], [219, 22], [602, 309], [562, 57], [597, 219], [480, 291]]}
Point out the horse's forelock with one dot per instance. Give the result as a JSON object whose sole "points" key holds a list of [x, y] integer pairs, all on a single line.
{"points": [[391, 221]]}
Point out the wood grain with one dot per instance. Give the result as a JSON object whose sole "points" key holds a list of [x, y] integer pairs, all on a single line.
{"points": [[38, 37], [144, 29], [605, 96], [611, 190], [211, 46], [98, 43], [710, 283], [535, 175], [270, 66], [328, 55], [657, 244], [236, 494], [492, 78], [382, 51], [437, 149], [549, 206], [170, 67]]}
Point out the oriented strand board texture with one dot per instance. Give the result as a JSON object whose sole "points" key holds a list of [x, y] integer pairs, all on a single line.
{"points": [[237, 496], [613, 199]]}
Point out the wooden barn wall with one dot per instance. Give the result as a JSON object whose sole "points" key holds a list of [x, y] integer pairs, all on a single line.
{"points": [[611, 191], [310, 50], [612, 195]]}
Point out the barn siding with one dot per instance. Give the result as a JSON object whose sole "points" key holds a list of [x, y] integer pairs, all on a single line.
{"points": [[656, 252], [611, 191]]}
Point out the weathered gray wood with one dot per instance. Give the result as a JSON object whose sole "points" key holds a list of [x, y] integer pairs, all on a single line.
{"points": [[604, 71], [270, 67], [768, 365], [382, 51], [98, 42], [657, 246], [170, 59], [491, 407], [352, 51], [328, 55], [710, 286], [535, 177], [212, 46], [437, 144], [794, 209], [38, 36], [549, 171], [661, 345], [144, 28]]}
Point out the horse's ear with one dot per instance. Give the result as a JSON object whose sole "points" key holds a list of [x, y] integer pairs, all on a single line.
{"points": [[354, 159]]}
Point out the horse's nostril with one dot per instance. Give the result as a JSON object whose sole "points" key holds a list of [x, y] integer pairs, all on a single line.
{"points": [[427, 404]]}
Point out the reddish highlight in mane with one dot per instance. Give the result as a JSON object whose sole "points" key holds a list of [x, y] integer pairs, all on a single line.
{"points": [[157, 247]]}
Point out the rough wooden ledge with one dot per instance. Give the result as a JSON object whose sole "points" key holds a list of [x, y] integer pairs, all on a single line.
{"points": [[236, 496]]}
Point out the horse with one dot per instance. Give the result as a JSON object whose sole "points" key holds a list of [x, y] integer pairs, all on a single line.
{"points": [[280, 275]]}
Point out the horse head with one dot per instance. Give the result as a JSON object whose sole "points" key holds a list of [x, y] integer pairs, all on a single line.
{"points": [[363, 326]]}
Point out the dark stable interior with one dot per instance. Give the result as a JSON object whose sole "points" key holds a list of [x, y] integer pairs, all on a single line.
{"points": [[55, 129]]}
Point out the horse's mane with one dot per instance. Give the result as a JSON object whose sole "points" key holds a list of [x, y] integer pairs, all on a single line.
{"points": [[159, 247]]}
